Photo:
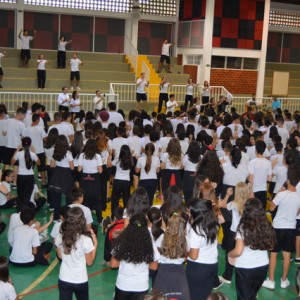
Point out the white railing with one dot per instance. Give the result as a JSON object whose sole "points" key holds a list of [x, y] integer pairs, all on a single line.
{"points": [[131, 53], [12, 100], [146, 70]]}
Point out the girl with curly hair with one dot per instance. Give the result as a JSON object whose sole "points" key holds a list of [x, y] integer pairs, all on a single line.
{"points": [[76, 249], [121, 185], [255, 236], [171, 164], [172, 245], [202, 264], [134, 253], [90, 164]]}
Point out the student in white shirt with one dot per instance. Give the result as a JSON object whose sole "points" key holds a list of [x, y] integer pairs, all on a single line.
{"points": [[75, 105], [76, 250], [121, 185], [119, 141], [165, 56], [260, 172], [282, 131], [90, 164], [189, 94], [148, 166], [63, 100], [75, 62], [41, 71], [6, 201], [255, 236], [114, 116], [171, 104], [7, 290], [25, 180], [163, 94], [141, 95], [288, 203], [61, 52], [38, 135], [202, 264], [205, 95], [27, 251], [25, 47], [99, 102], [134, 253], [3, 139], [62, 162]]}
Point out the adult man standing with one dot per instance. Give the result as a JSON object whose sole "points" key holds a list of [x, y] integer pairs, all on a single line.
{"points": [[25, 47], [75, 62], [63, 100], [165, 56], [141, 95]]}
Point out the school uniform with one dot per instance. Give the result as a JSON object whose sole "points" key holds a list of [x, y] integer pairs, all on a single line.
{"points": [[164, 141], [117, 143], [4, 203], [75, 74], [25, 178], [148, 180], [104, 177], [201, 272], [121, 186], [188, 96], [251, 270], [63, 106], [163, 95], [90, 182], [38, 202], [61, 55], [3, 139], [59, 186], [7, 291], [41, 73], [189, 177], [73, 277]]}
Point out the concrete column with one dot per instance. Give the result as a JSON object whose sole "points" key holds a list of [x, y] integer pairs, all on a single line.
{"points": [[207, 41], [19, 20], [263, 53], [136, 13]]}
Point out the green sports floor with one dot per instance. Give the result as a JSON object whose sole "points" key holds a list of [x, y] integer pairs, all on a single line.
{"points": [[41, 282]]}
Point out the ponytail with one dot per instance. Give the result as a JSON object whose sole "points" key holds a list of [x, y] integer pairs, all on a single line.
{"points": [[26, 143], [149, 150]]}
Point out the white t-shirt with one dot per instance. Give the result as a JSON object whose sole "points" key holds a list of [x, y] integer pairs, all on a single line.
{"points": [[20, 156], [24, 238], [3, 139], [86, 211], [62, 46], [3, 198], [175, 122], [55, 230], [49, 153], [283, 132], [164, 141], [117, 143], [236, 128], [14, 222], [281, 177], [90, 166], [171, 105], [188, 165], [25, 40], [14, 131], [184, 146], [208, 253], [251, 151], [250, 258], [61, 97], [135, 145], [220, 130], [41, 64], [75, 109], [98, 105], [73, 266], [189, 89], [7, 291], [64, 163], [165, 158], [115, 117], [120, 173], [37, 135], [231, 206], [165, 50], [1, 55], [234, 175], [288, 205], [164, 88], [155, 163], [260, 168], [140, 89], [74, 63]]}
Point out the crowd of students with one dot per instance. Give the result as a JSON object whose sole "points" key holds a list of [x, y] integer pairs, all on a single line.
{"points": [[209, 171]]}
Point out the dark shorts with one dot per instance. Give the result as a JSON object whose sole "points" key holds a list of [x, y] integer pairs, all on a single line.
{"points": [[8, 155], [25, 54], [42, 166], [75, 75], [298, 228], [285, 240], [165, 58], [141, 97], [1, 72]]}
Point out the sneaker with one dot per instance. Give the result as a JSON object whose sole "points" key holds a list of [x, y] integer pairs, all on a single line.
{"points": [[78, 88], [284, 283], [269, 284], [72, 88], [218, 285], [297, 261], [221, 278]]}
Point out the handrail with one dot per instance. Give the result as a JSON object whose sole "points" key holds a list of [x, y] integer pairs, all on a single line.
{"points": [[132, 53]]}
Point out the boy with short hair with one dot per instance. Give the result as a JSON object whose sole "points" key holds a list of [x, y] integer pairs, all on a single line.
{"points": [[74, 63]]}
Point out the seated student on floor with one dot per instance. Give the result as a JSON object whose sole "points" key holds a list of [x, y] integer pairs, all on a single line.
{"points": [[27, 251], [6, 201], [7, 290]]}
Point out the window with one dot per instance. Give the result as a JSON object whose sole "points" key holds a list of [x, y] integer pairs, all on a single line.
{"points": [[218, 62], [284, 19], [234, 62], [240, 63], [250, 63], [194, 59], [158, 7], [8, 1]]}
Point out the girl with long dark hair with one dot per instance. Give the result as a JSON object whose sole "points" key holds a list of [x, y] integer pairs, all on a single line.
{"points": [[62, 181], [76, 250], [7, 290], [76, 149], [25, 179], [121, 185], [202, 265], [189, 94], [133, 253], [90, 163], [163, 95], [255, 236], [148, 166]]}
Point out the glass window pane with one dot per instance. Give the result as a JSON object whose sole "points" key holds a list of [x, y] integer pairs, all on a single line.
{"points": [[234, 62], [250, 63], [217, 61]]}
